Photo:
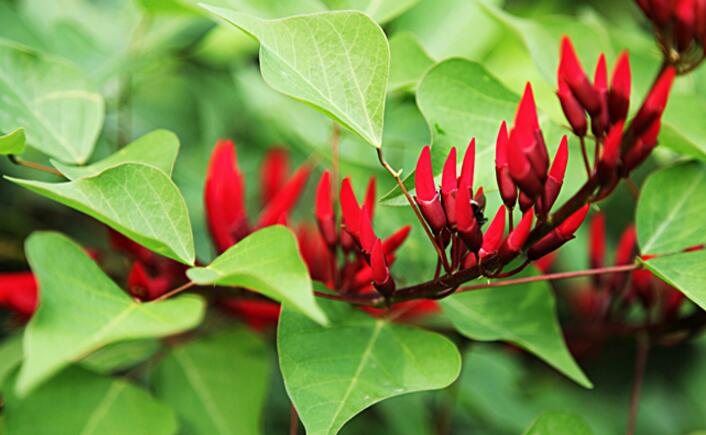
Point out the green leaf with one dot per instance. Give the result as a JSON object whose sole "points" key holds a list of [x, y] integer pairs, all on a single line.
{"points": [[682, 128], [81, 310], [80, 402], [268, 262], [10, 356], [381, 11], [337, 62], [120, 356], [52, 100], [671, 209], [216, 384], [408, 62], [684, 272], [13, 142], [522, 314], [158, 148], [331, 374], [137, 200], [559, 423]]}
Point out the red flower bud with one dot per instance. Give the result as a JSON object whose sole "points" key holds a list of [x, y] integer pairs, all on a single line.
{"points": [[426, 194], [626, 250], [599, 122], [468, 167], [619, 93], [685, 22], [596, 246], [350, 210], [556, 175], [642, 148], [466, 223], [224, 197], [449, 184], [392, 243], [273, 173], [325, 218], [560, 235], [382, 280], [493, 237], [527, 159], [285, 199], [508, 190], [145, 287], [654, 104], [525, 202], [574, 112], [571, 71], [18, 292], [367, 234], [369, 203], [517, 238]]}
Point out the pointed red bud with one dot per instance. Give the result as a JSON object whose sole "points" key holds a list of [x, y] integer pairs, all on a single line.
{"points": [[625, 252], [325, 218], [619, 93], [573, 111], [369, 203], [350, 210], [273, 173], [526, 116], [286, 198], [393, 242], [561, 234], [508, 190], [599, 121], [367, 234], [424, 177], [642, 148], [600, 78], [571, 71], [493, 237], [552, 187], [685, 21], [517, 238], [611, 153], [466, 223], [382, 280], [654, 104], [567, 228], [597, 241], [468, 167], [449, 183]]}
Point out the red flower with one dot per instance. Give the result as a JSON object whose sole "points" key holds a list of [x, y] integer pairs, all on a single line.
{"points": [[18, 293]]}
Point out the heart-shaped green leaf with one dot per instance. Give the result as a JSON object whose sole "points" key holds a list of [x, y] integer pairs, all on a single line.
{"points": [[671, 209], [158, 148], [137, 200], [268, 262], [13, 142], [381, 11], [216, 384], [337, 62], [80, 402], [52, 100], [559, 423], [81, 309], [331, 374], [522, 314], [408, 63], [684, 272]]}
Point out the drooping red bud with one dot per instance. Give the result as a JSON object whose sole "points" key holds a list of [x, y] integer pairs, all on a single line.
{"points": [[654, 104], [468, 167], [560, 235], [426, 194], [573, 111], [571, 71], [619, 93], [493, 237], [449, 183], [382, 280], [369, 203], [552, 187], [393, 242], [642, 148], [599, 122], [367, 234], [224, 195], [596, 246], [508, 190], [273, 173], [285, 199], [325, 218], [350, 210], [567, 228], [611, 153], [466, 224], [517, 238]]}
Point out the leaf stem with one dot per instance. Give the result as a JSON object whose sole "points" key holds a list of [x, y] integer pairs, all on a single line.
{"points": [[175, 291], [396, 175], [33, 165], [293, 421]]}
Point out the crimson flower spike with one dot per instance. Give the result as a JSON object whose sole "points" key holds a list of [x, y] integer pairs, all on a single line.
{"points": [[526, 159], [273, 173], [571, 71], [599, 122], [508, 190], [285, 199], [426, 195], [449, 187], [325, 217], [517, 238], [619, 93], [596, 247], [493, 237], [367, 234], [556, 176], [573, 111], [382, 280], [467, 225], [350, 210], [654, 104], [611, 153], [224, 197], [560, 235]]}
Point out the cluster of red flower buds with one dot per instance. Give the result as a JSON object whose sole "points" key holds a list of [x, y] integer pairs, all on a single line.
{"points": [[621, 144], [681, 30]]}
